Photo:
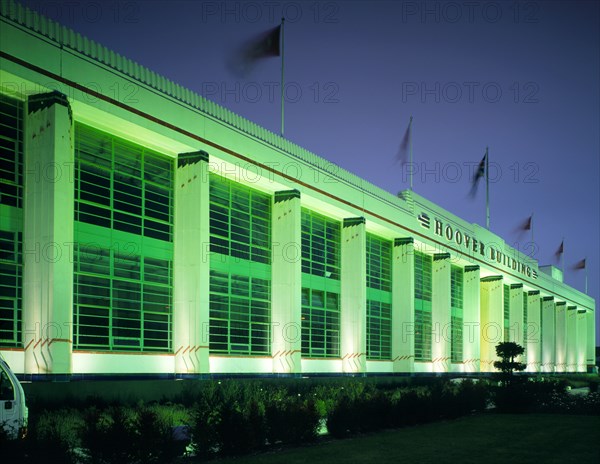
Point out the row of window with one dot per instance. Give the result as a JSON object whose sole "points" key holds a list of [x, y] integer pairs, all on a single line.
{"points": [[122, 186], [379, 297], [320, 245], [239, 314], [11, 152], [456, 313], [423, 292], [240, 221], [123, 290], [11, 204], [123, 301], [11, 285]]}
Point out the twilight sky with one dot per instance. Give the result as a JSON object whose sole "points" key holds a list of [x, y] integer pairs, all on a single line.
{"points": [[522, 78]]}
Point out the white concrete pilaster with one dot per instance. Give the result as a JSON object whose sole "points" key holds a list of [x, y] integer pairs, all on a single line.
{"points": [[440, 313], [548, 334], [403, 305], [534, 330], [572, 338], [286, 283], [590, 351], [48, 210], [492, 320], [581, 340], [515, 314], [471, 319], [560, 340], [354, 295], [191, 270]]}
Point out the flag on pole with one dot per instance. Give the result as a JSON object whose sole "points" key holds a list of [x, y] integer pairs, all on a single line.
{"points": [[265, 45], [581, 265], [526, 224], [478, 175], [402, 155], [560, 250]]}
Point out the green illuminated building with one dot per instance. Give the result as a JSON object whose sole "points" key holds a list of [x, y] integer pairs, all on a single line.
{"points": [[146, 230]]}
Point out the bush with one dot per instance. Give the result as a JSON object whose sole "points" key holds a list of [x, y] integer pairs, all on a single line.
{"points": [[528, 395], [120, 435], [52, 437], [228, 418], [292, 420], [109, 436]]}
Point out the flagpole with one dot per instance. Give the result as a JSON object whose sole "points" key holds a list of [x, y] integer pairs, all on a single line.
{"points": [[282, 74], [487, 188], [586, 275], [562, 257], [411, 152], [532, 242]]}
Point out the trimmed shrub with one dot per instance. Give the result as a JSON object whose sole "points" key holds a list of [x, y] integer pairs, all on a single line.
{"points": [[292, 420], [527, 395], [120, 435]]}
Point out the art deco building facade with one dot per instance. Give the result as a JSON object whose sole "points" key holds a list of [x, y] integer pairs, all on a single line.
{"points": [[146, 230]]}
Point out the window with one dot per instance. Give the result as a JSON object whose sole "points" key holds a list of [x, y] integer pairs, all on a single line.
{"points": [[240, 221], [320, 324], [11, 285], [379, 263], [320, 245], [379, 298], [240, 288], [123, 288], [423, 283], [240, 314], [11, 152], [321, 285], [456, 314], [11, 204], [122, 186], [7, 391], [379, 330], [122, 301]]}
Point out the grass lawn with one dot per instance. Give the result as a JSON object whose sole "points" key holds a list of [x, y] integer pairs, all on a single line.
{"points": [[489, 438]]}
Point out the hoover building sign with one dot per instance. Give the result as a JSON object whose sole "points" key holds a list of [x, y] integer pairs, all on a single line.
{"points": [[473, 246]]}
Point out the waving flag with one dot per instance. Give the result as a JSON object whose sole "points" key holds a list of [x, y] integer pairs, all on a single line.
{"points": [[560, 250], [265, 45], [402, 155], [478, 175]]}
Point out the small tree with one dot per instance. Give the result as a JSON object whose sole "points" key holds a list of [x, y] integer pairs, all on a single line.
{"points": [[508, 351]]}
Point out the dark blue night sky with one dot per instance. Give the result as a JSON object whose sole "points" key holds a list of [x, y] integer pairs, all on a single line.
{"points": [[520, 77]]}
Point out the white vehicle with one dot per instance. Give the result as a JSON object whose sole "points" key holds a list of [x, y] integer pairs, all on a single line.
{"points": [[13, 410]]}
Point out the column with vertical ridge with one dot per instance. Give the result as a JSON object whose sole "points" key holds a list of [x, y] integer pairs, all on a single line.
{"points": [[548, 334], [581, 340], [492, 320], [354, 295], [515, 317], [590, 351], [48, 234], [191, 268], [471, 319], [403, 305], [572, 338], [286, 278], [440, 313], [560, 339], [533, 331]]}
